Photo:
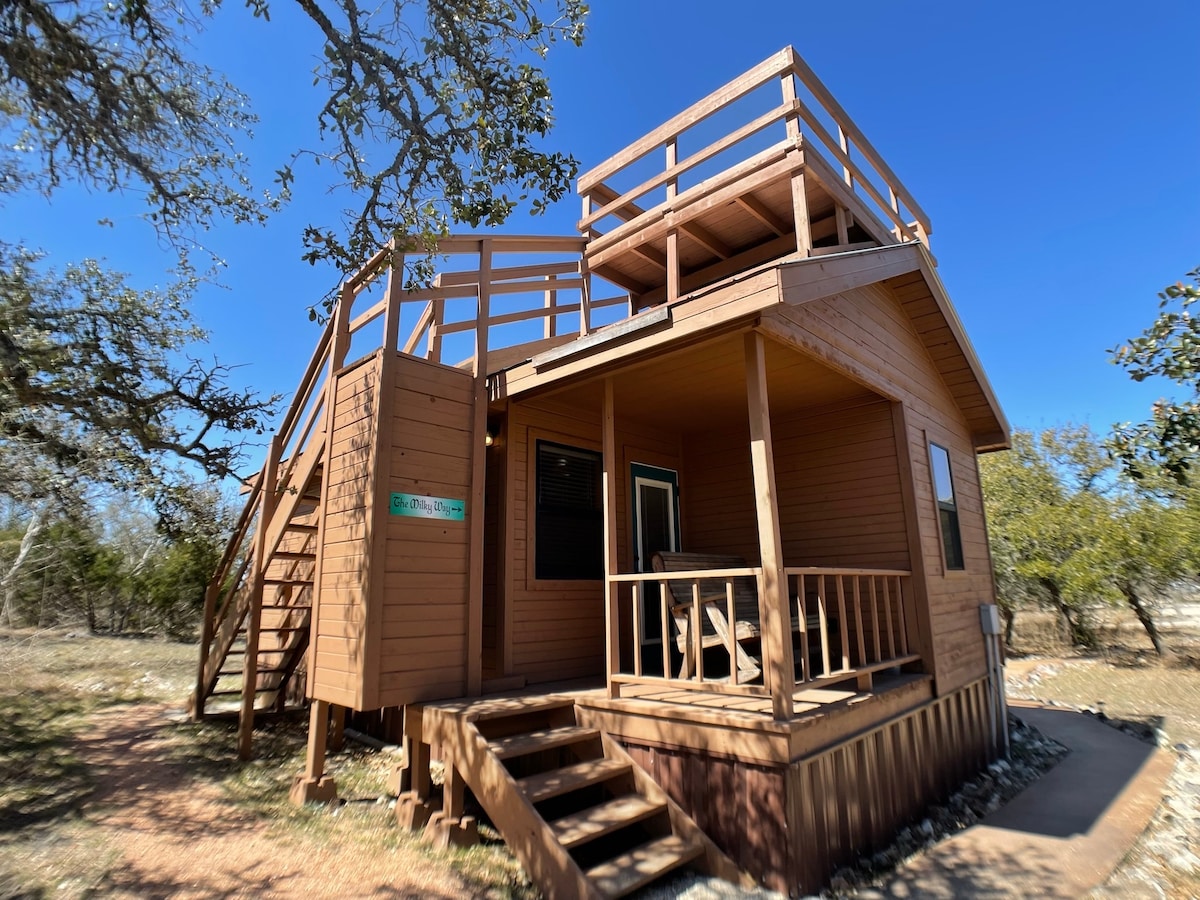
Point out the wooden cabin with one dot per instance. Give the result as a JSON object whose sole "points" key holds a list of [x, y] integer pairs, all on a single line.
{"points": [[666, 538]]}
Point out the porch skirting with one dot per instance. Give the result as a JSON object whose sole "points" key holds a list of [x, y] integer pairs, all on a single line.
{"points": [[793, 825]]}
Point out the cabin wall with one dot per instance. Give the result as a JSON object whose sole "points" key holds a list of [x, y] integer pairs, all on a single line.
{"points": [[865, 333], [340, 618], [557, 627], [838, 481], [391, 618]]}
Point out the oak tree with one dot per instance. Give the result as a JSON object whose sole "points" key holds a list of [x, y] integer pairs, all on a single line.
{"points": [[1170, 348]]}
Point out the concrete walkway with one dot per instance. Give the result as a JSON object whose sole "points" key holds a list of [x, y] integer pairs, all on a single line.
{"points": [[1064, 834]]}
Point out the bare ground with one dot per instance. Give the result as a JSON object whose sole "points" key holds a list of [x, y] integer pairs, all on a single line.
{"points": [[104, 800]]}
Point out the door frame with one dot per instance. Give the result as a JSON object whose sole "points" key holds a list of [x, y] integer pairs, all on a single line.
{"points": [[644, 474]]}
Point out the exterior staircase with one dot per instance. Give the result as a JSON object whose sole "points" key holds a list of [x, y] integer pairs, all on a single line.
{"points": [[581, 816], [258, 606]]}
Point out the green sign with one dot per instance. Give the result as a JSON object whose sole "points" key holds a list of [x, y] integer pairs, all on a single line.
{"points": [[419, 507]]}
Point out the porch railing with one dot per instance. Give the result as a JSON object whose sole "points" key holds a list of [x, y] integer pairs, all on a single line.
{"points": [[870, 622], [847, 624]]}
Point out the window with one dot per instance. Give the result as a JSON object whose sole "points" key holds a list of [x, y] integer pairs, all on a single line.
{"points": [[943, 488], [570, 518]]}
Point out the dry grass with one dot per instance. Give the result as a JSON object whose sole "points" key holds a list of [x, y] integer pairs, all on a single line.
{"points": [[54, 688], [54, 839], [1126, 680]]}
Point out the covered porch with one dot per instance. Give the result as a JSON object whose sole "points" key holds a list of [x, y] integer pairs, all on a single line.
{"points": [[757, 523]]}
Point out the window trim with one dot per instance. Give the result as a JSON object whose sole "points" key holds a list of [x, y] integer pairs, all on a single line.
{"points": [[568, 442], [953, 509]]}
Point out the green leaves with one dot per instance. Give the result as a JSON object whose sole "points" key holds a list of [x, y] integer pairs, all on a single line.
{"points": [[1170, 349], [434, 117], [1067, 526], [92, 387]]}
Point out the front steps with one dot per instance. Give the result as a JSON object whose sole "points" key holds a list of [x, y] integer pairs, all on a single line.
{"points": [[583, 819]]}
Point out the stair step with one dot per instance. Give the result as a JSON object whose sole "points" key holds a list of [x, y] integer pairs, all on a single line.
{"points": [[287, 628], [306, 529], [589, 824], [570, 778], [288, 582], [626, 873], [293, 554], [503, 707], [522, 744]]}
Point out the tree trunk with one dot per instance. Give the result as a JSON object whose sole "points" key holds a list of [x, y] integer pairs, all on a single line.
{"points": [[1010, 621], [8, 584], [1073, 627], [1142, 611]]}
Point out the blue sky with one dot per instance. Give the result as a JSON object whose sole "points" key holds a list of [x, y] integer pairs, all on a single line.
{"points": [[1053, 145]]}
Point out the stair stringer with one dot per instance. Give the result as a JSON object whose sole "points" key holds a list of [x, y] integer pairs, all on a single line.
{"points": [[524, 830], [232, 615], [531, 838], [715, 861]]}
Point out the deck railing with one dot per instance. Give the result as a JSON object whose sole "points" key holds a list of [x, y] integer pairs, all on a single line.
{"points": [[863, 171], [490, 303], [847, 624], [682, 628], [868, 607]]}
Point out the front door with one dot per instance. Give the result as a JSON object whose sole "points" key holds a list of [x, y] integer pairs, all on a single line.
{"points": [[655, 528]]}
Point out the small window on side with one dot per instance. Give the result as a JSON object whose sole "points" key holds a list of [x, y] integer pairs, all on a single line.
{"points": [[943, 488], [569, 540]]}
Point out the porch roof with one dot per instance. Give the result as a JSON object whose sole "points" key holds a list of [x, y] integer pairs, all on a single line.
{"points": [[648, 352]]}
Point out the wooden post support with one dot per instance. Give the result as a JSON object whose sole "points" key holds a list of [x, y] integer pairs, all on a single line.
{"points": [[337, 727], [475, 510], [779, 670], [413, 807], [612, 620], [449, 827], [314, 786]]}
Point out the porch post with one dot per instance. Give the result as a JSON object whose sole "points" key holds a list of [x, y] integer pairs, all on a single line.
{"points": [[779, 670], [612, 646]]}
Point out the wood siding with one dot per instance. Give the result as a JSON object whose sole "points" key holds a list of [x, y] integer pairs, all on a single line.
{"points": [[839, 490], [866, 334], [340, 627], [558, 626], [794, 825], [390, 627], [423, 623]]}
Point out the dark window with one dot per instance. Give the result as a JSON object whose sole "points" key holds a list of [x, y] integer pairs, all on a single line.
{"points": [[570, 519], [943, 487]]}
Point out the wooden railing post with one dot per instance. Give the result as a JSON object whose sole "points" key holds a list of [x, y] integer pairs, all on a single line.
{"points": [[254, 613], [611, 613], [799, 194], [779, 669], [550, 324], [206, 636]]}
